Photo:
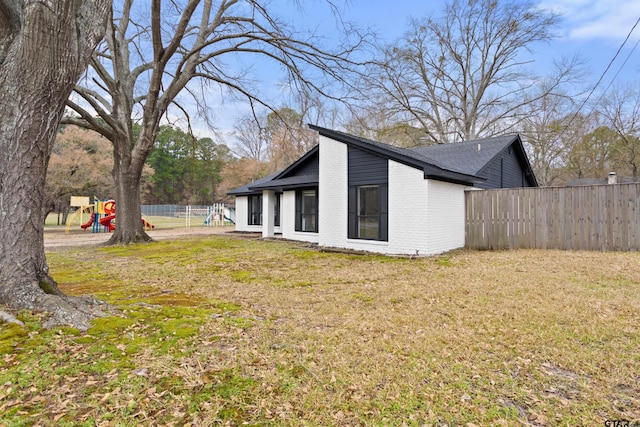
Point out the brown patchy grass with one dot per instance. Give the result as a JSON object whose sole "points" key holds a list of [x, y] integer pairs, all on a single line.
{"points": [[224, 331]]}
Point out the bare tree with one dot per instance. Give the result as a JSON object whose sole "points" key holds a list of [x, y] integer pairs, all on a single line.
{"points": [[375, 123], [547, 136], [167, 49], [44, 48], [288, 137], [621, 108], [463, 75], [250, 137]]}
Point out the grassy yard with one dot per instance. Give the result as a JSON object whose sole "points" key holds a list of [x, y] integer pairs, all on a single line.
{"points": [[228, 331]]}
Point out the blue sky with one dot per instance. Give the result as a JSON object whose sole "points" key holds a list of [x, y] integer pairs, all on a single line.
{"points": [[594, 29]]}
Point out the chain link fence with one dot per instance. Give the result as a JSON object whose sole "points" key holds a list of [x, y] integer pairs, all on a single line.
{"points": [[191, 215]]}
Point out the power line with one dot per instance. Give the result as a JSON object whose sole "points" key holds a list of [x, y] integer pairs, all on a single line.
{"points": [[619, 69], [604, 73]]}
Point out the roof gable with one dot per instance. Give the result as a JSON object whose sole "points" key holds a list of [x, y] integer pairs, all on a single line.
{"points": [[476, 156], [308, 164], [301, 173], [431, 167], [468, 156]]}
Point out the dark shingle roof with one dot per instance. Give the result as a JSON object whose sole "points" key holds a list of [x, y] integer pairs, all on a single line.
{"points": [[460, 162], [468, 156]]}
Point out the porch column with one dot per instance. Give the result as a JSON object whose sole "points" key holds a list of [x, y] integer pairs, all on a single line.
{"points": [[268, 213]]}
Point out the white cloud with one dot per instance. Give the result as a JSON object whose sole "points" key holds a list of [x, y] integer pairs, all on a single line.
{"points": [[596, 19]]}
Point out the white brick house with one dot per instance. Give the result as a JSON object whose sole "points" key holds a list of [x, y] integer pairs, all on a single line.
{"points": [[353, 193]]}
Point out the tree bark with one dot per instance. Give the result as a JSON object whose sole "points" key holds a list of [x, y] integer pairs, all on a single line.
{"points": [[127, 177], [44, 48]]}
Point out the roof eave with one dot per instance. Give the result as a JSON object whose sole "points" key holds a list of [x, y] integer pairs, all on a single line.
{"points": [[527, 163], [243, 193], [434, 172], [280, 187]]}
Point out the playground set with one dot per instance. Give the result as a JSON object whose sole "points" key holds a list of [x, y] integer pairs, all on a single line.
{"points": [[216, 215], [102, 215]]}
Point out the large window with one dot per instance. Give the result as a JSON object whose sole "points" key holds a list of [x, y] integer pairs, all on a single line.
{"points": [[368, 218], [368, 212], [307, 210], [255, 209]]}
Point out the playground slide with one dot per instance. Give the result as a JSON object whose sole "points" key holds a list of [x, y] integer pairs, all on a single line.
{"points": [[88, 223], [106, 221]]}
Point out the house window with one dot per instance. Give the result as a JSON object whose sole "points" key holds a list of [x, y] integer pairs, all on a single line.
{"points": [[307, 210], [368, 218], [276, 213], [255, 209]]}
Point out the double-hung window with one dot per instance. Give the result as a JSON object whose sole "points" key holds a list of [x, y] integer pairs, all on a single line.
{"points": [[307, 210]]}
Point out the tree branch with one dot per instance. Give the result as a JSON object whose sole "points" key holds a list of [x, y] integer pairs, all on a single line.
{"points": [[86, 120]]}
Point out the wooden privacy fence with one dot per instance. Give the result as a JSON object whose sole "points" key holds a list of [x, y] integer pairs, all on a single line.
{"points": [[594, 217]]}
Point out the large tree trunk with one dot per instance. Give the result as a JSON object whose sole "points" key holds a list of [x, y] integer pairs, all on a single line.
{"points": [[44, 48], [127, 175]]}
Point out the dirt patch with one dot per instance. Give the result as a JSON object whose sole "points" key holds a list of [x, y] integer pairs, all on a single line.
{"points": [[55, 237]]}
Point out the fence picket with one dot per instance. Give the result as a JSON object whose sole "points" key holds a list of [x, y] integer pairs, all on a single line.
{"points": [[597, 217]]}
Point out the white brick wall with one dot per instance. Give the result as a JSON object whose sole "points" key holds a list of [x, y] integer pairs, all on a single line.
{"points": [[288, 220], [242, 213], [268, 213], [332, 194], [426, 217], [242, 216], [287, 215], [446, 216], [408, 210]]}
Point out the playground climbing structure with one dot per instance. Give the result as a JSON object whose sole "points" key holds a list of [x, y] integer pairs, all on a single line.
{"points": [[102, 215]]}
